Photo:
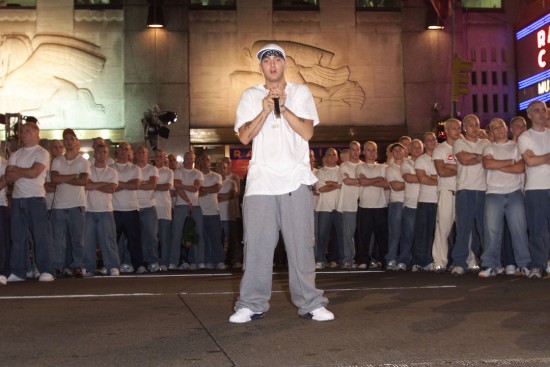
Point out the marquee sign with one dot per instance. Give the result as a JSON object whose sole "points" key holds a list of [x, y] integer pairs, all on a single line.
{"points": [[533, 62]]}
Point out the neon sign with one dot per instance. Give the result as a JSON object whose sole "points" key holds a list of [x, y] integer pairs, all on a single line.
{"points": [[533, 62]]}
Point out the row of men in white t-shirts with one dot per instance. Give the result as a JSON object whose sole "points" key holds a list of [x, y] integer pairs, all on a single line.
{"points": [[400, 214]]}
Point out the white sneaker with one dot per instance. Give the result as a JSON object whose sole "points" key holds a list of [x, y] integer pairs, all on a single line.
{"points": [[510, 270], [319, 265], [458, 270], [46, 277], [201, 266], [401, 267], [362, 266], [163, 268], [548, 267], [185, 266], [103, 271], [392, 265], [221, 266], [125, 268], [209, 266], [153, 268], [172, 267], [3, 280], [114, 272], [245, 315], [238, 265], [191, 267], [333, 265], [487, 273], [320, 314], [141, 270], [14, 278]]}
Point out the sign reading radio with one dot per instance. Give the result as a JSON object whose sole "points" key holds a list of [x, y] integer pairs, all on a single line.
{"points": [[533, 62], [543, 40]]}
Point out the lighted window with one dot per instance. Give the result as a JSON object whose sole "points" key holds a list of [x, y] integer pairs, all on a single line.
{"points": [[378, 5], [21, 4], [98, 4], [296, 4], [213, 4], [482, 4]]}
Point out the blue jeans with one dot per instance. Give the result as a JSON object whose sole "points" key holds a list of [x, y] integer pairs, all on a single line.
{"points": [[537, 209], [165, 238], [469, 207], [100, 230], [347, 248], [395, 211], [5, 243], [30, 214], [212, 234], [408, 218], [149, 229], [327, 221], [424, 229], [196, 254], [234, 246], [69, 220], [498, 209]]}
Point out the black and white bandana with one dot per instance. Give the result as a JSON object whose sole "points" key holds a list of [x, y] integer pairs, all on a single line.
{"points": [[275, 53]]}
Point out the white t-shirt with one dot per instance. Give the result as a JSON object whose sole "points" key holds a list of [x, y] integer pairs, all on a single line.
{"points": [[280, 157], [470, 177], [426, 193], [3, 197], [67, 195], [393, 173], [444, 152], [411, 189], [126, 200], [109, 161], [349, 195], [163, 201], [188, 178], [98, 201], [328, 201], [538, 177], [26, 157], [146, 198], [371, 196], [209, 202], [227, 207], [499, 182]]}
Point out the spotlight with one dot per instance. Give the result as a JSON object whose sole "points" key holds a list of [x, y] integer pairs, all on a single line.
{"points": [[155, 16], [155, 124], [168, 117]]}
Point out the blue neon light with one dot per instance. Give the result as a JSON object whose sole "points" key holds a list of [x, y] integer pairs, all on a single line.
{"points": [[543, 98], [533, 27], [534, 79]]}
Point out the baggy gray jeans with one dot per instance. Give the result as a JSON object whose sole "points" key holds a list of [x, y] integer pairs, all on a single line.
{"points": [[264, 216]]}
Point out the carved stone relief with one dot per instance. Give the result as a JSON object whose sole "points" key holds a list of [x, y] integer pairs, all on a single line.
{"points": [[330, 84], [47, 76]]}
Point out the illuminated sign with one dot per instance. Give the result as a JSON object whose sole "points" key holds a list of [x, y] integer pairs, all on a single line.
{"points": [[533, 62]]}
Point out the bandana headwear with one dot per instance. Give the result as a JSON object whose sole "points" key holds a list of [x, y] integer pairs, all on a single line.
{"points": [[271, 50]]}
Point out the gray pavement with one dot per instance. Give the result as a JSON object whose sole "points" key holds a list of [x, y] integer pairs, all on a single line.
{"points": [[180, 319]]}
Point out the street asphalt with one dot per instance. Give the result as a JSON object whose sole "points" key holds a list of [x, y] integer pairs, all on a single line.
{"points": [[181, 319]]}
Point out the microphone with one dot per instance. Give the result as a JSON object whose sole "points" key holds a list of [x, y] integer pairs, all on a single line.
{"points": [[277, 108]]}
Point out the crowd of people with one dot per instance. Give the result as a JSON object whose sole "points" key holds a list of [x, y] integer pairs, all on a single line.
{"points": [[72, 217], [477, 202]]}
